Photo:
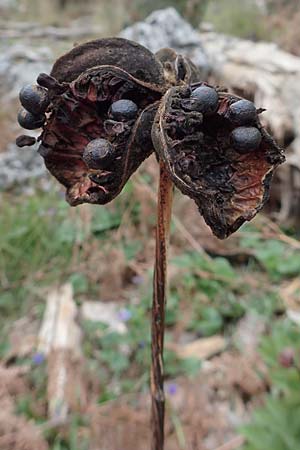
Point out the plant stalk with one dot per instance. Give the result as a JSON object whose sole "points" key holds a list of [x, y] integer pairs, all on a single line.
{"points": [[164, 208]]}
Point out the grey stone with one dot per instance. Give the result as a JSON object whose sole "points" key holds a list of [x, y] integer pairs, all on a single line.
{"points": [[18, 166], [166, 28], [20, 65]]}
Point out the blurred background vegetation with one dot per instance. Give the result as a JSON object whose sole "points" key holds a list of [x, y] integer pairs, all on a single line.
{"points": [[106, 253], [276, 20]]}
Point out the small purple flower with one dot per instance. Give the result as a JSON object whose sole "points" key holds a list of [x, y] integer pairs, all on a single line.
{"points": [[287, 357], [51, 211], [142, 344], [137, 280], [38, 358], [172, 388], [124, 314], [61, 194]]}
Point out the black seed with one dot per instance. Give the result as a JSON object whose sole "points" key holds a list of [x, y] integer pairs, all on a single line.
{"points": [[207, 99], [24, 140], [98, 154], [123, 110], [30, 121], [242, 112], [245, 139], [34, 98]]}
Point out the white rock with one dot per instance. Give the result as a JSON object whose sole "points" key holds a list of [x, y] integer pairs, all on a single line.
{"points": [[166, 28], [105, 312]]}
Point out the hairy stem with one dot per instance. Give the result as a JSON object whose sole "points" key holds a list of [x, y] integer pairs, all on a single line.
{"points": [[164, 207]]}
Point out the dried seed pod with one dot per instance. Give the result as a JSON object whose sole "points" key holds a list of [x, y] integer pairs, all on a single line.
{"points": [[133, 58], [245, 139], [104, 97], [123, 110], [228, 187], [24, 141], [51, 83], [34, 98], [98, 154], [81, 143], [178, 68], [206, 98], [30, 121], [242, 112]]}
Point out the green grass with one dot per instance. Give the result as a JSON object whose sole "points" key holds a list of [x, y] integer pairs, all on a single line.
{"points": [[44, 242], [36, 242], [275, 425], [236, 17]]}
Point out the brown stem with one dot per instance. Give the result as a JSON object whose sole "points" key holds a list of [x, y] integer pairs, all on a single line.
{"points": [[164, 207]]}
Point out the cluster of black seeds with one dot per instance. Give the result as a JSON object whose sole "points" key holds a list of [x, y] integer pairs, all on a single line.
{"points": [[99, 153], [35, 101], [246, 137]]}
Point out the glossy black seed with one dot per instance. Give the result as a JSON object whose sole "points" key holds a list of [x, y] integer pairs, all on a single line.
{"points": [[207, 99], [24, 140], [245, 139], [30, 121], [34, 98], [98, 154], [242, 112], [123, 110]]}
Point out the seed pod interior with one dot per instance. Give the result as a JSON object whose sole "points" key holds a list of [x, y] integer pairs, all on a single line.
{"points": [[229, 185], [82, 114]]}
